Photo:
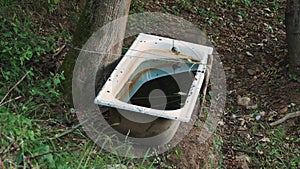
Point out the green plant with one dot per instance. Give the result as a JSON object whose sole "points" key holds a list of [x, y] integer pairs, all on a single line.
{"points": [[21, 50], [184, 4], [218, 142], [20, 137], [137, 6], [211, 97], [293, 77], [178, 152]]}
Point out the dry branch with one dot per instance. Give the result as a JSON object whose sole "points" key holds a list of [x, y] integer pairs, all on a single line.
{"points": [[17, 98], [59, 51], [286, 117], [11, 89]]}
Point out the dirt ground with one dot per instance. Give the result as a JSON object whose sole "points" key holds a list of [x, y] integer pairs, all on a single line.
{"points": [[253, 51]]}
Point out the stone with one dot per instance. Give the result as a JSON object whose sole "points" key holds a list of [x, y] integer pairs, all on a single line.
{"points": [[251, 72]]}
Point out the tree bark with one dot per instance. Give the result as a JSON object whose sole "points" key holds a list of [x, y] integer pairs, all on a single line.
{"points": [[95, 15], [293, 35]]}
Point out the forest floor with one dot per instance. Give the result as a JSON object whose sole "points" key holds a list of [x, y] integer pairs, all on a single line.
{"points": [[250, 39]]}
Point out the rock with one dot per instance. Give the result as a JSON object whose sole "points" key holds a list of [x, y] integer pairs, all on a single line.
{"points": [[251, 72], [243, 101]]}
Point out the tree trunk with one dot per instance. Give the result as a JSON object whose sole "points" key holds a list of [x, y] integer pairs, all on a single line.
{"points": [[95, 15], [293, 35]]}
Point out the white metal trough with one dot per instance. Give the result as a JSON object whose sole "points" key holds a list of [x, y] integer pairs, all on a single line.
{"points": [[152, 57]]}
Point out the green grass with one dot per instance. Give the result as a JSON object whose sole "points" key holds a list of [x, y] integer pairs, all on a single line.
{"points": [[32, 121], [280, 152], [137, 6]]}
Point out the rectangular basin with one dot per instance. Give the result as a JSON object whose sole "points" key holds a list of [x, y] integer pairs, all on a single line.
{"points": [[151, 58]]}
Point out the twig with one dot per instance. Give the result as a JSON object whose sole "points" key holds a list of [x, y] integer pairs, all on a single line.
{"points": [[286, 117], [206, 82], [71, 130], [59, 51], [17, 98], [11, 89]]}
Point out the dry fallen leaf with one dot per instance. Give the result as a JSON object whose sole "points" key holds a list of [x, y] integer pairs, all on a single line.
{"points": [[243, 101], [265, 139], [245, 160], [284, 109]]}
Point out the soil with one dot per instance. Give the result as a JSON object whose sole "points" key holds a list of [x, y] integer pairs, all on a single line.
{"points": [[251, 44]]}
